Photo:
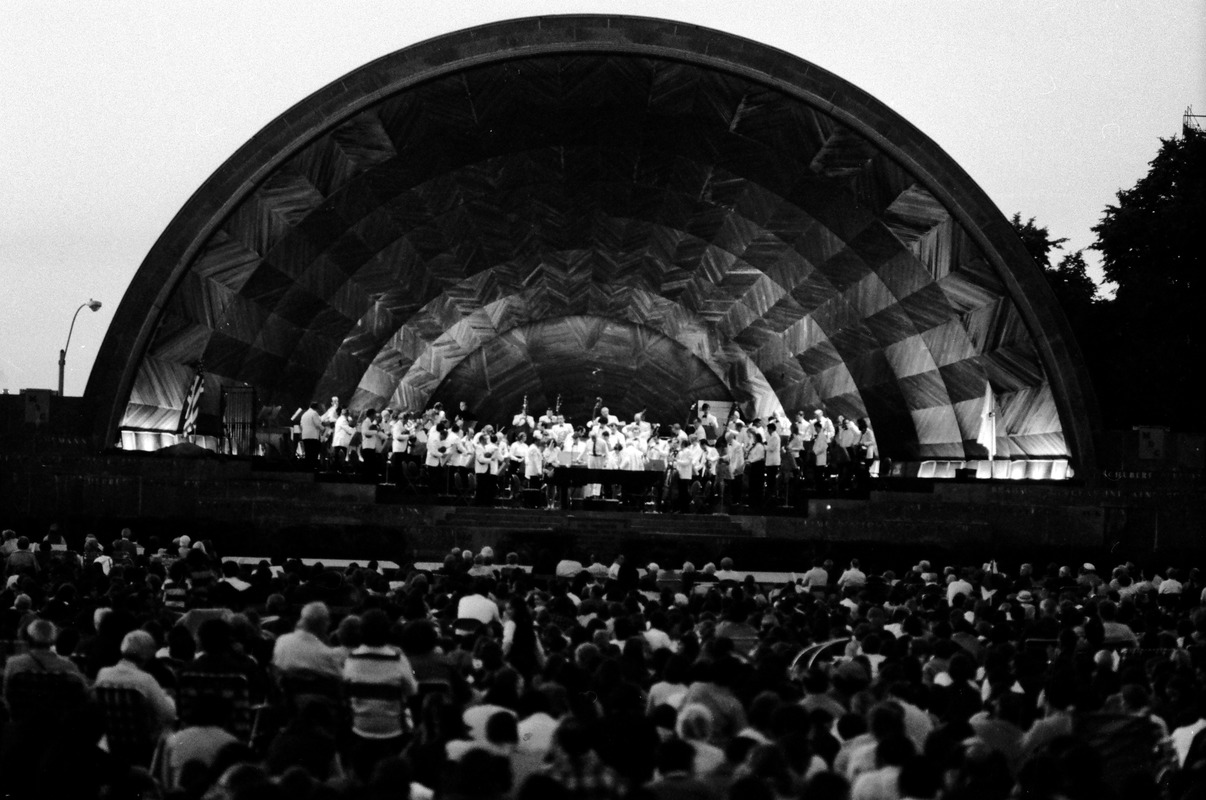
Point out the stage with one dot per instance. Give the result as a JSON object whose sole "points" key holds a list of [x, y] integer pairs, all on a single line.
{"points": [[256, 509]]}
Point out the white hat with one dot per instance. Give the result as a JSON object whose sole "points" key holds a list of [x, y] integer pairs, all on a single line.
{"points": [[1087, 567]]}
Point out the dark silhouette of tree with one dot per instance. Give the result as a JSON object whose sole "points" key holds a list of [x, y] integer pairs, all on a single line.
{"points": [[1153, 247], [1037, 239], [1068, 278], [1072, 285], [1077, 294]]}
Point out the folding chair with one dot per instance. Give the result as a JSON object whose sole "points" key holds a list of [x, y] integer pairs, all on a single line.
{"points": [[128, 726], [427, 689], [410, 478], [44, 697], [296, 686], [197, 690], [389, 693]]}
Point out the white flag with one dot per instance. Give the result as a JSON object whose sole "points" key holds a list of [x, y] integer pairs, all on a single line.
{"points": [[988, 422]]}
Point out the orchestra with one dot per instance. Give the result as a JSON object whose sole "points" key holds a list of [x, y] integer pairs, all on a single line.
{"points": [[704, 462]]}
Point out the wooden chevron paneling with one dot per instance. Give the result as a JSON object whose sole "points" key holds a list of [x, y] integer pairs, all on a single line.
{"points": [[585, 224]]}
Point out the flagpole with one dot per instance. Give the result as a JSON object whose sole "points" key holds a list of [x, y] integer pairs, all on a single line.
{"points": [[992, 448]]}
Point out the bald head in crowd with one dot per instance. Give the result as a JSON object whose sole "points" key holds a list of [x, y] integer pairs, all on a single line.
{"points": [[41, 634], [138, 647], [315, 618]]}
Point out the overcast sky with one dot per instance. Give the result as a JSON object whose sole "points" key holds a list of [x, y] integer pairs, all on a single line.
{"points": [[113, 113]]}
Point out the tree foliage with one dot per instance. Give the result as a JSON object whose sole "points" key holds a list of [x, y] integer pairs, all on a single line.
{"points": [[1143, 345], [1037, 240], [1152, 245], [1069, 278], [1151, 242]]}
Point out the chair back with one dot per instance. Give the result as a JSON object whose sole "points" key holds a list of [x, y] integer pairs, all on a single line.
{"points": [[426, 688], [369, 697], [1128, 746], [47, 696], [10, 648], [297, 686], [198, 690], [128, 724], [468, 626]]}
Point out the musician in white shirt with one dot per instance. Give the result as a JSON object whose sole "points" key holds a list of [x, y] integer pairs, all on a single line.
{"points": [[329, 417], [439, 450], [562, 431], [825, 425], [755, 465], [613, 456], [607, 417], [465, 455], [711, 459], [774, 458], [707, 425], [631, 458], [820, 444], [400, 433], [688, 464], [533, 471], [342, 439], [518, 453], [486, 461], [596, 458], [311, 432], [370, 442]]}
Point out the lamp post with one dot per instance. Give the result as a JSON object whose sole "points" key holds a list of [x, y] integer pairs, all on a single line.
{"points": [[95, 306]]}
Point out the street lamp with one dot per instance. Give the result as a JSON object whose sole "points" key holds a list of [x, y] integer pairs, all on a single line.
{"points": [[95, 306]]}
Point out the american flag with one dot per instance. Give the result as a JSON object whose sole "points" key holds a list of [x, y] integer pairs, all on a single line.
{"points": [[192, 404]]}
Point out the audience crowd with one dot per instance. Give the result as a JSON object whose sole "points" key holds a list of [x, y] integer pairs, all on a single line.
{"points": [[598, 680]]}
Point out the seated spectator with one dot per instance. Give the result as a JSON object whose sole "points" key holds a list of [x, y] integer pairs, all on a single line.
{"points": [[138, 649], [477, 606], [22, 560], [305, 649], [881, 783], [853, 578], [694, 726], [576, 767], [379, 679], [199, 744], [13, 620], [218, 655], [677, 778]]}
